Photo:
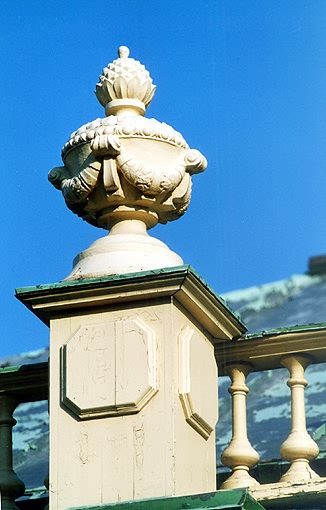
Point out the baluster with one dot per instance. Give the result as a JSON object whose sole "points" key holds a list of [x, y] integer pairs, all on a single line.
{"points": [[11, 486], [299, 448], [239, 455]]}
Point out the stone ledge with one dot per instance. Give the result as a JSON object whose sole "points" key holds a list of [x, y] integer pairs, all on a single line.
{"points": [[291, 495]]}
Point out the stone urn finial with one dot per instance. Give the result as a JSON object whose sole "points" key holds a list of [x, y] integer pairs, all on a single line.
{"points": [[126, 173]]}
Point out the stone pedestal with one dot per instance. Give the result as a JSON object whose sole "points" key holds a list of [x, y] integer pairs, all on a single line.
{"points": [[133, 385]]}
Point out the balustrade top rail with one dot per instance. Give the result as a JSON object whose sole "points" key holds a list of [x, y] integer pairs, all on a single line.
{"points": [[265, 350], [28, 383]]}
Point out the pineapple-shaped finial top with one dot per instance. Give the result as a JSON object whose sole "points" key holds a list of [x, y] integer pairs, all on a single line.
{"points": [[125, 84]]}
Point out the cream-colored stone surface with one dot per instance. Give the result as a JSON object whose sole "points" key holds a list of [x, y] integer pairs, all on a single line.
{"points": [[299, 448], [239, 455], [199, 412], [126, 169], [97, 363], [310, 493], [154, 452]]}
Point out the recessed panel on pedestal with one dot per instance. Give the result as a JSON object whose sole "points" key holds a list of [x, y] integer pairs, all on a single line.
{"points": [[109, 369], [197, 381]]}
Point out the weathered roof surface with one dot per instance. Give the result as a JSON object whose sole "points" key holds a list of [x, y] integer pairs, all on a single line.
{"points": [[297, 300], [294, 301]]}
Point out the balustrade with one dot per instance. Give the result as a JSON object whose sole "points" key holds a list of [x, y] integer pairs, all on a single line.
{"points": [[294, 349], [28, 383]]}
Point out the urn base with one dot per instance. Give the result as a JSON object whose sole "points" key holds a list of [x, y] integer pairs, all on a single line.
{"points": [[121, 253]]}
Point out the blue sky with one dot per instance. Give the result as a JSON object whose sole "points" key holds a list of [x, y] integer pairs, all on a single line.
{"points": [[242, 80]]}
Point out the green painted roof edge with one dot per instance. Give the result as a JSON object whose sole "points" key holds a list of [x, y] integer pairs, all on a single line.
{"points": [[219, 500], [300, 328], [186, 269], [103, 279]]}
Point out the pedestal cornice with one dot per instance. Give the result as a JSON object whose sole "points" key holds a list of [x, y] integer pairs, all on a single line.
{"points": [[182, 284]]}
